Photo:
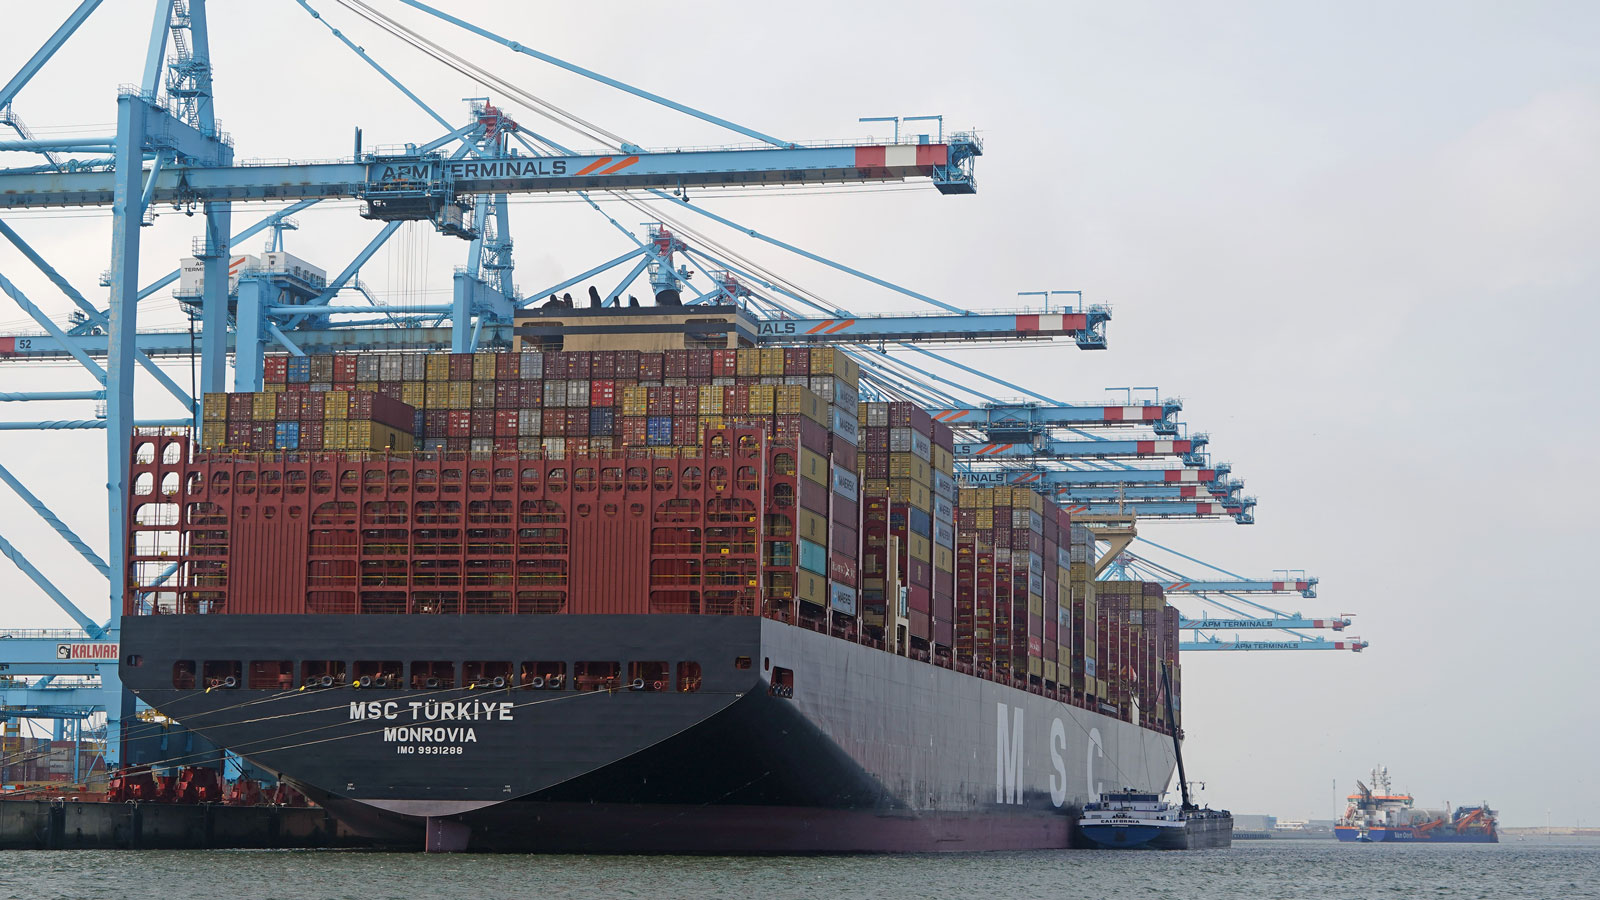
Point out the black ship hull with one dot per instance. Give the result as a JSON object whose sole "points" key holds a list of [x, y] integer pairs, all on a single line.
{"points": [[866, 752]]}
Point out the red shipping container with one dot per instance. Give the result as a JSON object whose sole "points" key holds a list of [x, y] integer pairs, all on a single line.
{"points": [[685, 430], [603, 364], [797, 361], [578, 363], [239, 434], [919, 599], [813, 437], [813, 496], [650, 366], [482, 423], [737, 401], [724, 363], [844, 541], [844, 454], [846, 511], [786, 429], [461, 367], [311, 435], [505, 423], [627, 364], [578, 422], [921, 625], [676, 363], [875, 441], [505, 445], [875, 465], [603, 391], [459, 423], [943, 630], [554, 422], [919, 573], [275, 369], [634, 430], [290, 407], [943, 436], [344, 368], [507, 366], [391, 389], [686, 401], [842, 568], [436, 423], [700, 363], [507, 394], [458, 444], [313, 406], [556, 365]]}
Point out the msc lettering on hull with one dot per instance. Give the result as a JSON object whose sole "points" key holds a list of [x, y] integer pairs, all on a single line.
{"points": [[1008, 757], [433, 710]]}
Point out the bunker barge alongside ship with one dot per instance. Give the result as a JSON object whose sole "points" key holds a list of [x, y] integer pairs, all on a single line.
{"points": [[633, 585]]}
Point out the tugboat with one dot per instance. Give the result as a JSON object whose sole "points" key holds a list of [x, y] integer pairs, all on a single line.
{"points": [[1129, 819]]}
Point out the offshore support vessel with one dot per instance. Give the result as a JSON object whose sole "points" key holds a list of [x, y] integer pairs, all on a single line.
{"points": [[695, 599], [1378, 815]]}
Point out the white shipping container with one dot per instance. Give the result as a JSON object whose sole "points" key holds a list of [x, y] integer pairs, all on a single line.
{"points": [[944, 486], [532, 364], [578, 392], [555, 393], [529, 421]]}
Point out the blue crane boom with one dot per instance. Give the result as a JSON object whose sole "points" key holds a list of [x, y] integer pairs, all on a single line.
{"points": [[1335, 623], [421, 185], [1033, 418], [1109, 448], [1305, 587], [1075, 477], [1213, 643]]}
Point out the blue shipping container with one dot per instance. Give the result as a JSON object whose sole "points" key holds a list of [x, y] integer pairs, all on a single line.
{"points": [[299, 370], [813, 557], [287, 436], [658, 431], [921, 522], [602, 421], [842, 597]]}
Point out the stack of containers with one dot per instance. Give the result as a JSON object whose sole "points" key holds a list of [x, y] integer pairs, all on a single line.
{"points": [[897, 470], [944, 538], [1085, 653], [327, 420], [1062, 594], [975, 582]]}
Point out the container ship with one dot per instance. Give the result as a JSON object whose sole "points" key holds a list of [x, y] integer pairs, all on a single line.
{"points": [[1377, 815], [632, 584]]}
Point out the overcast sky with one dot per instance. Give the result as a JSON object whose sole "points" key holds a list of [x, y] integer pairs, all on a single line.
{"points": [[1358, 239]]}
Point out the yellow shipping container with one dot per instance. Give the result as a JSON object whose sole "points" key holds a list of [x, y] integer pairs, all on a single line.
{"points": [[904, 490], [1036, 666], [944, 558], [1064, 656], [919, 547], [786, 399], [833, 361], [213, 435], [761, 399], [635, 400], [985, 518], [748, 363], [437, 367], [1035, 501], [414, 394], [483, 366], [1049, 670], [215, 405], [336, 405], [811, 587], [815, 408], [263, 406], [460, 395], [771, 360], [1001, 496], [711, 399], [1035, 605], [278, 388], [943, 461], [910, 465], [875, 487], [437, 394], [813, 527], [976, 498], [370, 387], [814, 466]]}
